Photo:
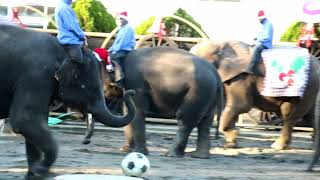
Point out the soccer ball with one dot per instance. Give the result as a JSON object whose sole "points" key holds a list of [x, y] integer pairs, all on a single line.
{"points": [[135, 164]]}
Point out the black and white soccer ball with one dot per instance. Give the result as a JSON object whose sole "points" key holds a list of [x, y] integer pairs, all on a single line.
{"points": [[135, 164]]}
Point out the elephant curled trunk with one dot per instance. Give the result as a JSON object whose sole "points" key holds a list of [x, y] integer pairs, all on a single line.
{"points": [[101, 113]]}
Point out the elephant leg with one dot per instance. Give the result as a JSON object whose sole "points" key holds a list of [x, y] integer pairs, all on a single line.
{"points": [[41, 148], [177, 149], [288, 111], [285, 137], [139, 132], [188, 116], [35, 147], [128, 135], [135, 132], [34, 155], [227, 126], [203, 141], [29, 117]]}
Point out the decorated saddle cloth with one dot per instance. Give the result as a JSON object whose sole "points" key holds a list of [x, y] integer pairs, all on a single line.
{"points": [[287, 71]]}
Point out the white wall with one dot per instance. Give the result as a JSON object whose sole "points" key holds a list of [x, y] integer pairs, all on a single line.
{"points": [[220, 20]]}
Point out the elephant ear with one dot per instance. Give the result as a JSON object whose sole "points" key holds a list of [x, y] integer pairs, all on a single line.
{"points": [[229, 57], [68, 71], [206, 49], [234, 57]]}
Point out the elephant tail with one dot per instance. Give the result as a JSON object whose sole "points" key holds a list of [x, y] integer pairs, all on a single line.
{"points": [[220, 104], [316, 153]]}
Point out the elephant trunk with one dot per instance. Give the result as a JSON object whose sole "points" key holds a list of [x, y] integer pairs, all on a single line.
{"points": [[316, 154], [90, 127], [101, 113]]}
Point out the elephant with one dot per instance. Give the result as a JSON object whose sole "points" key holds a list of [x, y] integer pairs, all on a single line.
{"points": [[316, 154], [171, 83], [35, 70], [243, 90]]}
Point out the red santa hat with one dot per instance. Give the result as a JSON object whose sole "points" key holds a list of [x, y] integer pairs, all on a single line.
{"points": [[103, 54], [261, 14], [123, 15]]}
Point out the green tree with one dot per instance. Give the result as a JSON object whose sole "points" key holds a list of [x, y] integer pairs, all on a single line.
{"points": [[184, 29], [142, 29], [93, 16], [293, 32]]}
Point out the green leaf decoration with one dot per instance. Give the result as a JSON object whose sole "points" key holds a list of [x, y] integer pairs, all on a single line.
{"points": [[297, 63]]}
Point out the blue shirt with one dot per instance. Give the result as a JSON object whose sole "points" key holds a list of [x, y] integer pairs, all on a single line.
{"points": [[265, 36], [125, 40], [69, 31]]}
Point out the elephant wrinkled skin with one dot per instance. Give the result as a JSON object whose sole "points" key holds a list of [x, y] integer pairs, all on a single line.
{"points": [[243, 90], [34, 70]]}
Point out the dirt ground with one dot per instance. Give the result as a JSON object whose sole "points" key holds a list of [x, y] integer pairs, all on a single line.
{"points": [[253, 160]]}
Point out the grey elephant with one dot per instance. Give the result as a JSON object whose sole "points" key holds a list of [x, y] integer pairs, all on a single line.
{"points": [[243, 91], [172, 83], [35, 70], [316, 154]]}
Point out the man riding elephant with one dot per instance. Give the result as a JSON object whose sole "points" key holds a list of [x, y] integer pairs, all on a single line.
{"points": [[245, 91], [123, 44], [263, 41], [70, 35]]}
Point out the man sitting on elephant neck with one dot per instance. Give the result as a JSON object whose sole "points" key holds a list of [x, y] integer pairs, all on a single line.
{"points": [[70, 35], [123, 44], [264, 41]]}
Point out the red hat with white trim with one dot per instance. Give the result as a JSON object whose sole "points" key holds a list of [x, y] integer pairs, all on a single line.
{"points": [[261, 14], [103, 54], [123, 15]]}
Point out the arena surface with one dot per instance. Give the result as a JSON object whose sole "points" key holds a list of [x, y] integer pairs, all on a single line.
{"points": [[253, 160]]}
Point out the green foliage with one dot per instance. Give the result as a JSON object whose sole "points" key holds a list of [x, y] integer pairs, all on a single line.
{"points": [[142, 29], [51, 25], [184, 29], [93, 16], [293, 32]]}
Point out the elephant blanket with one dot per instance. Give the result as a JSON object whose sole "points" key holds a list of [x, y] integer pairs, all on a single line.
{"points": [[287, 71]]}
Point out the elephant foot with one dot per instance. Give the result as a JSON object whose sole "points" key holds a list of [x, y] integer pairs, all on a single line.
{"points": [[141, 150], [230, 137], [86, 141], [230, 145], [204, 154], [278, 145], [174, 153], [49, 176], [126, 148], [38, 173]]}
